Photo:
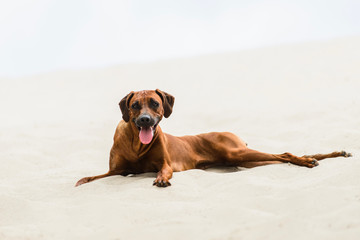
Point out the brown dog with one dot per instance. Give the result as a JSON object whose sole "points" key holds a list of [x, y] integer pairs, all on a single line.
{"points": [[140, 145]]}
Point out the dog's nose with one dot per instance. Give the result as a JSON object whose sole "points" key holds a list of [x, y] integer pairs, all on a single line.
{"points": [[145, 120]]}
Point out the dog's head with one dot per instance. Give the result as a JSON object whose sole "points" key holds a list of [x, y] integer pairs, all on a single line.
{"points": [[145, 110]]}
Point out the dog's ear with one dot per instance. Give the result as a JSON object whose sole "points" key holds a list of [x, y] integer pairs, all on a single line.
{"points": [[168, 102], [124, 106]]}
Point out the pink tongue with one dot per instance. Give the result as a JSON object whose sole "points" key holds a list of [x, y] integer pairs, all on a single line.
{"points": [[146, 135]]}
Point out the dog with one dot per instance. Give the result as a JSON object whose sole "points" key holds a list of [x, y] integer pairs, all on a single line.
{"points": [[140, 146]]}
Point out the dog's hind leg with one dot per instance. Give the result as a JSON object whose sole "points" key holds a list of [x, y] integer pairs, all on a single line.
{"points": [[258, 164], [329, 155], [252, 158]]}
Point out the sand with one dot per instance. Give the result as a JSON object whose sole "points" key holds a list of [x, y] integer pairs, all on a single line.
{"points": [[56, 128]]}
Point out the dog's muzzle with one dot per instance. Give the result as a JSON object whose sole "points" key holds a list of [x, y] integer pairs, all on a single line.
{"points": [[146, 125]]}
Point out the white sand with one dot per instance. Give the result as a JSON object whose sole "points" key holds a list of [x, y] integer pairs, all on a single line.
{"points": [[58, 127]]}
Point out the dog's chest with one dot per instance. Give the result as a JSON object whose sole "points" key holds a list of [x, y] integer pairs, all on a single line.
{"points": [[144, 164]]}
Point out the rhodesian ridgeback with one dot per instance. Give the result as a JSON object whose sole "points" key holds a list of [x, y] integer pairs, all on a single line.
{"points": [[140, 145]]}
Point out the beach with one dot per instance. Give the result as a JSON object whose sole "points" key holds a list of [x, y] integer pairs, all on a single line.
{"points": [[58, 127]]}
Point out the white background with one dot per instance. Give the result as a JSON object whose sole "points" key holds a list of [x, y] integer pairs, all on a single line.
{"points": [[44, 35]]}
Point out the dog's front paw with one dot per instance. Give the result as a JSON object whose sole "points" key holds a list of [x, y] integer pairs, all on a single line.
{"points": [[160, 182]]}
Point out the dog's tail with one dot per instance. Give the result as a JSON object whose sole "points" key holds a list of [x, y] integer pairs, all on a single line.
{"points": [[90, 179]]}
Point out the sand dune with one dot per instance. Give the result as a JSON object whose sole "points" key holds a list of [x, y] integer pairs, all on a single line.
{"points": [[58, 127]]}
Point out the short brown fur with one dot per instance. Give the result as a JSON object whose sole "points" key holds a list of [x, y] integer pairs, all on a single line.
{"points": [[166, 154]]}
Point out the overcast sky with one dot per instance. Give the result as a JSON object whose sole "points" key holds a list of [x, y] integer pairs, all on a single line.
{"points": [[45, 35]]}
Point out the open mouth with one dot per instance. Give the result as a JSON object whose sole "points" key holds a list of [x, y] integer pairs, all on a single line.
{"points": [[146, 133]]}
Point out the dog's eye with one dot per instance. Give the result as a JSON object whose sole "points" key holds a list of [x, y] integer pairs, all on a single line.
{"points": [[135, 106], [154, 103]]}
